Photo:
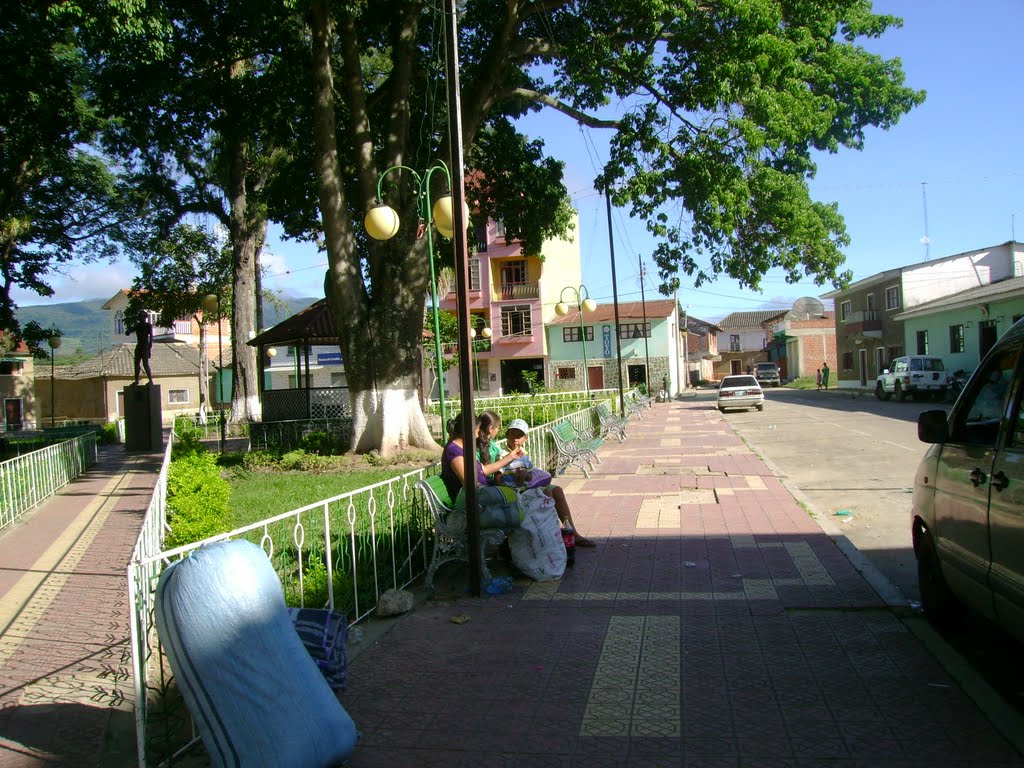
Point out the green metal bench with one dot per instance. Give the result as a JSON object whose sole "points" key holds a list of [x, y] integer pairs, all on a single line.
{"points": [[634, 406], [573, 449], [611, 423], [450, 537]]}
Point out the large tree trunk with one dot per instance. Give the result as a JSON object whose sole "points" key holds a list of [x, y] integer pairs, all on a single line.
{"points": [[248, 230], [380, 338]]}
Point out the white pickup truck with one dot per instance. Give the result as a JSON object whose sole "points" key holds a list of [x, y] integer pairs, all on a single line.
{"points": [[920, 376]]}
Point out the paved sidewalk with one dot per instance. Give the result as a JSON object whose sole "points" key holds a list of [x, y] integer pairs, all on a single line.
{"points": [[65, 656], [714, 625]]}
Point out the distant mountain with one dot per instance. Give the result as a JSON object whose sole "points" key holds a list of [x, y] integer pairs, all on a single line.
{"points": [[85, 327]]}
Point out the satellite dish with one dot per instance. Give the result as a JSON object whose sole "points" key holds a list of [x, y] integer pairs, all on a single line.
{"points": [[807, 307]]}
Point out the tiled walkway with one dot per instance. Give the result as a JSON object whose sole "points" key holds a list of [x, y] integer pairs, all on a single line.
{"points": [[714, 625], [65, 657]]}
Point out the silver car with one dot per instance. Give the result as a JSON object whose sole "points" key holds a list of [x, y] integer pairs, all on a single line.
{"points": [[740, 392]]}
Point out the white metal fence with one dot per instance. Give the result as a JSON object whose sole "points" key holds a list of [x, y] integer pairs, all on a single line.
{"points": [[27, 480]]}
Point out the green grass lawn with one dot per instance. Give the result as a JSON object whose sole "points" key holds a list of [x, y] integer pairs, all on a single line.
{"points": [[259, 495]]}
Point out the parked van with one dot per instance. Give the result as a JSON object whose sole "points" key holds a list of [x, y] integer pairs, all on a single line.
{"points": [[968, 508]]}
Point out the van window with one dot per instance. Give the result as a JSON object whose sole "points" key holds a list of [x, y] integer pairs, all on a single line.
{"points": [[979, 413]]}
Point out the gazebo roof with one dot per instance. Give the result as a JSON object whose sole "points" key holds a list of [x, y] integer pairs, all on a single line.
{"points": [[313, 325]]}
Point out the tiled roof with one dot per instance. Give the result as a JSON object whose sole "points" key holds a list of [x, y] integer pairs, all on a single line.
{"points": [[699, 327], [740, 320], [628, 311], [172, 359]]}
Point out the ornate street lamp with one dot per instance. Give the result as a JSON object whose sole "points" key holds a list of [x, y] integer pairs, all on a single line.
{"points": [[585, 303], [54, 343], [382, 223], [211, 304], [485, 332]]}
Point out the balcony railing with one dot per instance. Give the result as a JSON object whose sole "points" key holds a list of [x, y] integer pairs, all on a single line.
{"points": [[863, 320], [516, 291]]}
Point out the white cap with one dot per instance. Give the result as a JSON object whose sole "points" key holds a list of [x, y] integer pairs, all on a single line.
{"points": [[519, 424]]}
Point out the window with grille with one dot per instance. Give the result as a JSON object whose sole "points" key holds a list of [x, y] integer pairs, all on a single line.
{"points": [[847, 361], [474, 273], [956, 338], [634, 330], [480, 230], [567, 373], [734, 342], [177, 396], [892, 297], [11, 367], [845, 310], [573, 334], [516, 320]]}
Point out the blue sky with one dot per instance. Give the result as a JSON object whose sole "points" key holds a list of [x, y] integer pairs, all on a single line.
{"points": [[963, 143]]}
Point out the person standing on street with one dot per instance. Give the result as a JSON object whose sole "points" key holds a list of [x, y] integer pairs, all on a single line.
{"points": [[824, 375], [819, 379]]}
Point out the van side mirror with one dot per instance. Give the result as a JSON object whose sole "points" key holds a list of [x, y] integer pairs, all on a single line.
{"points": [[932, 427], [885, 370]]}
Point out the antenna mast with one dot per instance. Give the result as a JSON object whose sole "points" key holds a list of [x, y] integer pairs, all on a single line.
{"points": [[926, 240]]}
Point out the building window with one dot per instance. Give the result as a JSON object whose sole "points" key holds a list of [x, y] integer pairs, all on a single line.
{"points": [[567, 373], [870, 302], [956, 338], [11, 367], [119, 323], [734, 342], [573, 334], [513, 272], [892, 297], [634, 331], [845, 310], [480, 230], [474, 273], [177, 396], [847, 361], [922, 342], [339, 380], [516, 320]]}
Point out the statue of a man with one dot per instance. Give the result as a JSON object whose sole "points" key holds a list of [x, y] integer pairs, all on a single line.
{"points": [[143, 347]]}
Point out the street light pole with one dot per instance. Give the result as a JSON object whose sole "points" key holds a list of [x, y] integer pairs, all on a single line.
{"points": [[584, 302], [54, 342], [382, 223]]}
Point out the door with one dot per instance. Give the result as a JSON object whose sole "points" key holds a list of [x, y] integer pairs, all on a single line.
{"points": [[863, 367], [595, 377], [1006, 520], [734, 367], [637, 374], [962, 486], [986, 337], [13, 413]]}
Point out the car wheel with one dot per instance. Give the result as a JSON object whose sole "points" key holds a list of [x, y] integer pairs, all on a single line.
{"points": [[940, 604], [879, 392], [721, 410], [760, 407], [900, 394]]}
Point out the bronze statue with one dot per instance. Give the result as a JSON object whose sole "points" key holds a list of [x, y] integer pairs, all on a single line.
{"points": [[143, 347]]}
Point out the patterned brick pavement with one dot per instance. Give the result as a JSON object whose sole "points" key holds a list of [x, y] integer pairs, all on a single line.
{"points": [[714, 625], [65, 658]]}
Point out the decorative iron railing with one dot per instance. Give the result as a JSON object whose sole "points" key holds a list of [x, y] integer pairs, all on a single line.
{"points": [[27, 480]]}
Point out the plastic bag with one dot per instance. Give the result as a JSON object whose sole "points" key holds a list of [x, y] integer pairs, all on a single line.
{"points": [[536, 545]]}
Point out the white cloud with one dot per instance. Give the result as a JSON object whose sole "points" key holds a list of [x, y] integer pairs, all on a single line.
{"points": [[90, 281]]}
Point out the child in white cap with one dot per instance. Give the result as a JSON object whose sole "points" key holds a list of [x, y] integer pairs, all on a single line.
{"points": [[515, 439]]}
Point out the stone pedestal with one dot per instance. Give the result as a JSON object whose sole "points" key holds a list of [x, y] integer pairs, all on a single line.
{"points": [[143, 427]]}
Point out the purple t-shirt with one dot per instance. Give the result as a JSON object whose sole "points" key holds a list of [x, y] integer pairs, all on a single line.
{"points": [[451, 480]]}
